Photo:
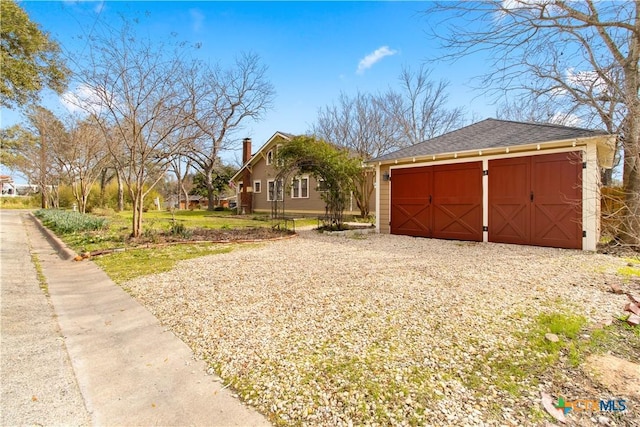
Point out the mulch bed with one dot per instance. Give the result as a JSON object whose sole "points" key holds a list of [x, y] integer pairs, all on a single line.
{"points": [[199, 235]]}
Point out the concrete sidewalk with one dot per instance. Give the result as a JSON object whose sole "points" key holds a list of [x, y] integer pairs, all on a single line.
{"points": [[130, 370], [37, 382]]}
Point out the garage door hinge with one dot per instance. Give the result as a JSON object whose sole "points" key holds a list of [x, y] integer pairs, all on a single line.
{"points": [[584, 165], [584, 234], [485, 172], [485, 228]]}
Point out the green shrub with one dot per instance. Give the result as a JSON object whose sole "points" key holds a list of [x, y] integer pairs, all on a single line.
{"points": [[67, 222], [180, 230]]}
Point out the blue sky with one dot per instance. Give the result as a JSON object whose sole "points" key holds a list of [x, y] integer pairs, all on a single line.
{"points": [[313, 50]]}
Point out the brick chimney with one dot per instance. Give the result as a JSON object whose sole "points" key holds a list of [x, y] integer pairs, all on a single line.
{"points": [[245, 196], [246, 150]]}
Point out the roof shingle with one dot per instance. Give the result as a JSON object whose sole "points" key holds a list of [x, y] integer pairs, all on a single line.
{"points": [[490, 133]]}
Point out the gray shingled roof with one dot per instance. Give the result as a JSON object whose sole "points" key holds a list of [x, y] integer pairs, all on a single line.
{"points": [[490, 133]]}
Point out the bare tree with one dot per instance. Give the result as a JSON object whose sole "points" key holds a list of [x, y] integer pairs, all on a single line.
{"points": [[81, 156], [420, 108], [534, 110], [181, 168], [587, 52], [361, 125], [38, 151], [373, 125], [134, 94], [221, 101]]}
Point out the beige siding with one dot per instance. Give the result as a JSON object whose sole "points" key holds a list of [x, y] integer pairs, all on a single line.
{"points": [[385, 218], [261, 172], [312, 205]]}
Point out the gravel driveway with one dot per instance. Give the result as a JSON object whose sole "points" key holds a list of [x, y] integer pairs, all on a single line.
{"points": [[380, 329]]}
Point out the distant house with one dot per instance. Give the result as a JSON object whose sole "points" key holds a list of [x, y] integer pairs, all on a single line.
{"points": [[195, 202], [7, 185], [497, 181], [258, 188]]}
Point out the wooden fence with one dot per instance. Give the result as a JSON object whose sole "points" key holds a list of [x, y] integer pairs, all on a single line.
{"points": [[611, 209]]}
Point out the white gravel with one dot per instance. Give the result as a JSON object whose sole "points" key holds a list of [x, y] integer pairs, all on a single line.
{"points": [[377, 329]]}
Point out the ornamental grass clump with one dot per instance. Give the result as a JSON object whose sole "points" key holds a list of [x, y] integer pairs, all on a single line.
{"points": [[67, 222]]}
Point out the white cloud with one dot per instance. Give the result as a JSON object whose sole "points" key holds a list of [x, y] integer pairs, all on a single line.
{"points": [[197, 19], [587, 79], [525, 4], [533, 8], [566, 119], [98, 8], [82, 100], [368, 61]]}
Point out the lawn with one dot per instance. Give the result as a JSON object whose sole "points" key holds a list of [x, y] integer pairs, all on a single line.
{"points": [[157, 225]]}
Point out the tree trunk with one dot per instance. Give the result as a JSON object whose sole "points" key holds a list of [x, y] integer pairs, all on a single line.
{"points": [[606, 177], [631, 173], [630, 233], [120, 192], [208, 182], [138, 203], [44, 198], [103, 186], [83, 199], [55, 196], [186, 196]]}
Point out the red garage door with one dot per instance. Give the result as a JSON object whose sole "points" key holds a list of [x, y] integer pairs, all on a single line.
{"points": [[442, 201], [457, 201], [536, 200], [411, 201]]}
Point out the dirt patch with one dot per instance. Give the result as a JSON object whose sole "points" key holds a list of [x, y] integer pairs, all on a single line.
{"points": [[620, 376]]}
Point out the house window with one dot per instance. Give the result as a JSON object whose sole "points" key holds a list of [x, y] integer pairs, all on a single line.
{"points": [[257, 186], [240, 186], [270, 157], [300, 187], [322, 185], [275, 190]]}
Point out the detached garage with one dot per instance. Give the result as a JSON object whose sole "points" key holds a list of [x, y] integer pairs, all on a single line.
{"points": [[497, 181]]}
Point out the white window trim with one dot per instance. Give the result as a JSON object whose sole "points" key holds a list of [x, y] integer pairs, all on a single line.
{"points": [[281, 198], [299, 179], [257, 188]]}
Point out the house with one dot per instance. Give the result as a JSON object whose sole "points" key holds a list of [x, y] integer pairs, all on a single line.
{"points": [[195, 202], [7, 186], [497, 181], [266, 192]]}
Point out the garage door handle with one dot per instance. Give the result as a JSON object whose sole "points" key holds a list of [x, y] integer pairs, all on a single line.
{"points": [[531, 196]]}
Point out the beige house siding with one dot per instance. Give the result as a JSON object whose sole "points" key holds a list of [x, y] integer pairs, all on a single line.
{"points": [[383, 213], [312, 205]]}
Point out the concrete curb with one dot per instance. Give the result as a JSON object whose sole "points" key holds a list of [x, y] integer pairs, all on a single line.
{"points": [[63, 251]]}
